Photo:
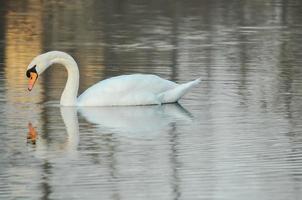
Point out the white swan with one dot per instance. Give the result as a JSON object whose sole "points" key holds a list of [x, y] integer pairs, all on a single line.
{"points": [[136, 89]]}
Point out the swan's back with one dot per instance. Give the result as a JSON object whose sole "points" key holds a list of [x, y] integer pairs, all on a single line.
{"points": [[136, 89]]}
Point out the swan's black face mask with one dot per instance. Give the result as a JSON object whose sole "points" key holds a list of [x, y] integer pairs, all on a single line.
{"points": [[33, 69], [33, 76]]}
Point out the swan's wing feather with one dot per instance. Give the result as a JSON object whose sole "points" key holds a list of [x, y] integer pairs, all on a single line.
{"points": [[176, 93], [136, 89]]}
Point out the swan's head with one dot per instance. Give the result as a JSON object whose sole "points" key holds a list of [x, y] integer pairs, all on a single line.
{"points": [[38, 65]]}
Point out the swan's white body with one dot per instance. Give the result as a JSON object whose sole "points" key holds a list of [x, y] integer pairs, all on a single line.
{"points": [[136, 89]]}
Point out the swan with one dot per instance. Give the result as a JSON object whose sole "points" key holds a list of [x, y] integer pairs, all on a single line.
{"points": [[124, 90]]}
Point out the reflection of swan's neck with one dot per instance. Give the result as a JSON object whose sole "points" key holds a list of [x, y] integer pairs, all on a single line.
{"points": [[69, 95], [70, 118]]}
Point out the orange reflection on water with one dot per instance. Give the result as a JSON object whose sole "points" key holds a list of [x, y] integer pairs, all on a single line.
{"points": [[32, 134], [23, 28]]}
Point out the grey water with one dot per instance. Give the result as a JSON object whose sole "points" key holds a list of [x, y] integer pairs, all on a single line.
{"points": [[238, 135]]}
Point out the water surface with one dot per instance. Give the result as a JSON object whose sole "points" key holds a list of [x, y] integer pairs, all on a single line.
{"points": [[236, 136]]}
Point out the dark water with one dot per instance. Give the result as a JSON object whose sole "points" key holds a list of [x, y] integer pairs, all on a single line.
{"points": [[236, 136]]}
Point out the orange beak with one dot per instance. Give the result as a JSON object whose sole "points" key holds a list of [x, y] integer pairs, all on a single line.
{"points": [[32, 80]]}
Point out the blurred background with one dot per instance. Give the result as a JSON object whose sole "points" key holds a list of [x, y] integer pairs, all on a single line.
{"points": [[236, 136]]}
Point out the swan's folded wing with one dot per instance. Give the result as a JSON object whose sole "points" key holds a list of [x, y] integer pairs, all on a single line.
{"points": [[137, 89]]}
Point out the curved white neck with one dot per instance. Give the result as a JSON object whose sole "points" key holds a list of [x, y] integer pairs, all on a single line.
{"points": [[69, 95]]}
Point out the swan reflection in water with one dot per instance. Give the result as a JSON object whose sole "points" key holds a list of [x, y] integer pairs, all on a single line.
{"points": [[140, 122], [135, 121]]}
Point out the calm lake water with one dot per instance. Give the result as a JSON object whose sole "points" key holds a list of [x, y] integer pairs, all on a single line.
{"points": [[236, 136]]}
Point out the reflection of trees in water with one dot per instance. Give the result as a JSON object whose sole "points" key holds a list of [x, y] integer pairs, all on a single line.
{"points": [[21, 41], [242, 40], [151, 37]]}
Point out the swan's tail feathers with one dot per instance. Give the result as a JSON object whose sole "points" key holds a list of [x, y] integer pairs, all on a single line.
{"points": [[176, 93]]}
